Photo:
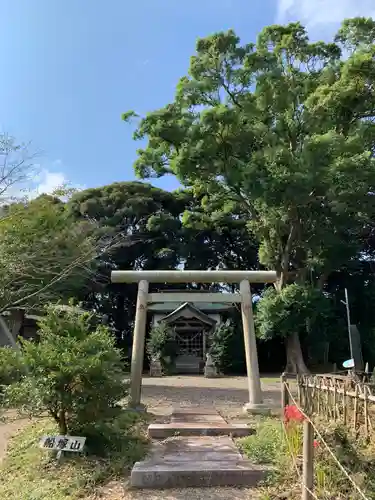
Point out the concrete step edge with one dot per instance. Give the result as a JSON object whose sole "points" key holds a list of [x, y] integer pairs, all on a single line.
{"points": [[197, 475]]}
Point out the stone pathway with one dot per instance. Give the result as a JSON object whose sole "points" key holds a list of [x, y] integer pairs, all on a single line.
{"points": [[197, 451]]}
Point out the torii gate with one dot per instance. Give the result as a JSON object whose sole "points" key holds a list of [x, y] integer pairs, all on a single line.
{"points": [[244, 278]]}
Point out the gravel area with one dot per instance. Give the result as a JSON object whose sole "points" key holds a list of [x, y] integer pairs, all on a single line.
{"points": [[228, 394]]}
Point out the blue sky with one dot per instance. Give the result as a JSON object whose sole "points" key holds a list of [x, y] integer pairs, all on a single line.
{"points": [[70, 68]]}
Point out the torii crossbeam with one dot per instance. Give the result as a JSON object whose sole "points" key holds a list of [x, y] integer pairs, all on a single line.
{"points": [[244, 278]]}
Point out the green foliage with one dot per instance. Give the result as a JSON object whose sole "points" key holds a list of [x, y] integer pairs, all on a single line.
{"points": [[28, 472], [126, 117], [43, 253], [295, 308], [75, 374], [145, 222], [357, 33], [162, 345], [267, 445], [354, 454], [268, 124], [221, 341], [272, 445], [11, 366], [279, 129]]}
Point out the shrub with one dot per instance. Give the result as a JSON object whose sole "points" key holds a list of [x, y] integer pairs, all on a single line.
{"points": [[220, 346], [74, 373], [162, 345], [11, 366]]}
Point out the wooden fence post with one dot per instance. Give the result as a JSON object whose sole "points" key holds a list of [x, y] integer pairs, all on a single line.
{"points": [[319, 394], [355, 412], [308, 461], [335, 412], [365, 404], [284, 392]]}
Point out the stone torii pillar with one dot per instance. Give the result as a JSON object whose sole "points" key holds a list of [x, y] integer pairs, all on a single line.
{"points": [[143, 278]]}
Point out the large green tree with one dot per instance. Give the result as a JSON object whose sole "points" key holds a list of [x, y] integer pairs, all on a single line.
{"points": [[45, 255], [282, 132], [146, 223]]}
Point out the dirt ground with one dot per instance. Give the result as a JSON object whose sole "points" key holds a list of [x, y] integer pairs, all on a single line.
{"points": [[228, 395], [116, 491], [9, 425]]}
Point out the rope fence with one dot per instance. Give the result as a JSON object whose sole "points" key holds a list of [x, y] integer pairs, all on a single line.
{"points": [[349, 400], [305, 467]]}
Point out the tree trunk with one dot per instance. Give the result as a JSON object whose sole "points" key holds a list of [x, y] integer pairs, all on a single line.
{"points": [[63, 428], [294, 357]]}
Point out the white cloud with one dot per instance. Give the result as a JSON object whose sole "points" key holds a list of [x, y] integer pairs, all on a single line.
{"points": [[323, 14], [48, 182], [37, 180]]}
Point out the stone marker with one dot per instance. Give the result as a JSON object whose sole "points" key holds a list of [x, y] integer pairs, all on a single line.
{"points": [[210, 370]]}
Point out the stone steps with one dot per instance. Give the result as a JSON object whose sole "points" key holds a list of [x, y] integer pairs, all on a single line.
{"points": [[163, 431], [195, 422], [196, 458], [206, 473]]}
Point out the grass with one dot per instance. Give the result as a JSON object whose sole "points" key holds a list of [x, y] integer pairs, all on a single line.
{"points": [[30, 473], [269, 446]]}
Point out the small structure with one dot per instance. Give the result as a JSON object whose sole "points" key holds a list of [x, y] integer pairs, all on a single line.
{"points": [[144, 298], [20, 324], [193, 323]]}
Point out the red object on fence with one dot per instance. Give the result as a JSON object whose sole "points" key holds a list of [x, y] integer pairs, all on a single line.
{"points": [[316, 443], [293, 414]]}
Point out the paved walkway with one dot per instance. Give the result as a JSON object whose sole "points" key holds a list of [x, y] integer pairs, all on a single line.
{"points": [[200, 453]]}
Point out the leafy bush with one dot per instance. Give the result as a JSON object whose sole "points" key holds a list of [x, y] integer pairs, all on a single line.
{"points": [[162, 345], [74, 373], [11, 366], [220, 346]]}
